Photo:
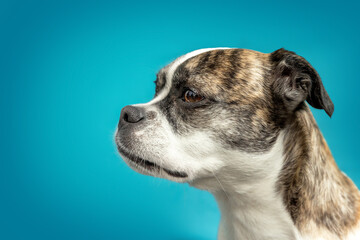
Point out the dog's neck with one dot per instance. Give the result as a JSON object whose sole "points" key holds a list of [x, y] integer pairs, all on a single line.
{"points": [[251, 207], [254, 213], [300, 194]]}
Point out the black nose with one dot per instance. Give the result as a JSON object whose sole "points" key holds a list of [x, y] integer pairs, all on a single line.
{"points": [[131, 114]]}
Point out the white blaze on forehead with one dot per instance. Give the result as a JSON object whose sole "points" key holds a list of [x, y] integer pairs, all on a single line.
{"points": [[180, 60], [171, 70]]}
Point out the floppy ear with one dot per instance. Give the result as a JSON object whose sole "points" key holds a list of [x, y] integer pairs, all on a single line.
{"points": [[296, 81]]}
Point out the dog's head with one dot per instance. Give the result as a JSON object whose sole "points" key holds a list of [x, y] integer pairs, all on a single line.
{"points": [[217, 110]]}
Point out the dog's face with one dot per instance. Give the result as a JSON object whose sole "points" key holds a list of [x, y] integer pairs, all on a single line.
{"points": [[216, 110]]}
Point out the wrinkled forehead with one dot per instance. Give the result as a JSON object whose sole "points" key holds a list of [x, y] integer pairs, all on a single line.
{"points": [[215, 70]]}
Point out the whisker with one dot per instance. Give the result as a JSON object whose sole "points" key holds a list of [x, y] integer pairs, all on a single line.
{"points": [[222, 187]]}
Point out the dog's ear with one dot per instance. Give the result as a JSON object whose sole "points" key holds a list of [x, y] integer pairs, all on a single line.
{"points": [[296, 81]]}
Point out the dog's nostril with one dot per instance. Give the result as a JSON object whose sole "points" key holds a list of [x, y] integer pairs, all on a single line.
{"points": [[126, 117]]}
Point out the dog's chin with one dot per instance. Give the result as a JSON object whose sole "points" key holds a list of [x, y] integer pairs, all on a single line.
{"points": [[150, 168]]}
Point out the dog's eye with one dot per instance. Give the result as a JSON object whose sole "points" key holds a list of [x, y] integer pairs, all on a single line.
{"points": [[191, 96]]}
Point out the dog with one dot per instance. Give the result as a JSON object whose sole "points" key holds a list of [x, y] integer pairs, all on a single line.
{"points": [[235, 122]]}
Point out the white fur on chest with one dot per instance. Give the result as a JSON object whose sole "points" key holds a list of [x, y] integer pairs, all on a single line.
{"points": [[250, 206]]}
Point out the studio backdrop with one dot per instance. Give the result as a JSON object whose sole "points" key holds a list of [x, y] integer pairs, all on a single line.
{"points": [[68, 67]]}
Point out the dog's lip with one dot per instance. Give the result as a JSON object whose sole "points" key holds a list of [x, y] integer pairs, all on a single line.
{"points": [[148, 165]]}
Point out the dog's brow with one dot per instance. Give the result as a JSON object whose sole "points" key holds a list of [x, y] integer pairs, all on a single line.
{"points": [[157, 78], [182, 59], [166, 74], [160, 81]]}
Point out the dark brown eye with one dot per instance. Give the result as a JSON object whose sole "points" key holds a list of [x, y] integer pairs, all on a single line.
{"points": [[191, 96]]}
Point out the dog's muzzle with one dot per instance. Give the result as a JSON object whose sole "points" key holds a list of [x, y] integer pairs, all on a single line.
{"points": [[131, 119]]}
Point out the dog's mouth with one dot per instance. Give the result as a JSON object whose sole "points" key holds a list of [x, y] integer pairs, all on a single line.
{"points": [[148, 165]]}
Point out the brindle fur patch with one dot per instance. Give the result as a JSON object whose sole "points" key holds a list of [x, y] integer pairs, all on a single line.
{"points": [[313, 187]]}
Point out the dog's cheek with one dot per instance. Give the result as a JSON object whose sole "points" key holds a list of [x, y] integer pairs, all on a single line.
{"points": [[194, 153], [199, 118], [242, 128]]}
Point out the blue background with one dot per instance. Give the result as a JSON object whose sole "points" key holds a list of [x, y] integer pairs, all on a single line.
{"points": [[68, 67]]}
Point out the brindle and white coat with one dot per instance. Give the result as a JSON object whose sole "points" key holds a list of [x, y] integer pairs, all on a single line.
{"points": [[251, 141]]}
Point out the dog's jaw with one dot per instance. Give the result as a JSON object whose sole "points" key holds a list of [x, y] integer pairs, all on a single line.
{"points": [[147, 167]]}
